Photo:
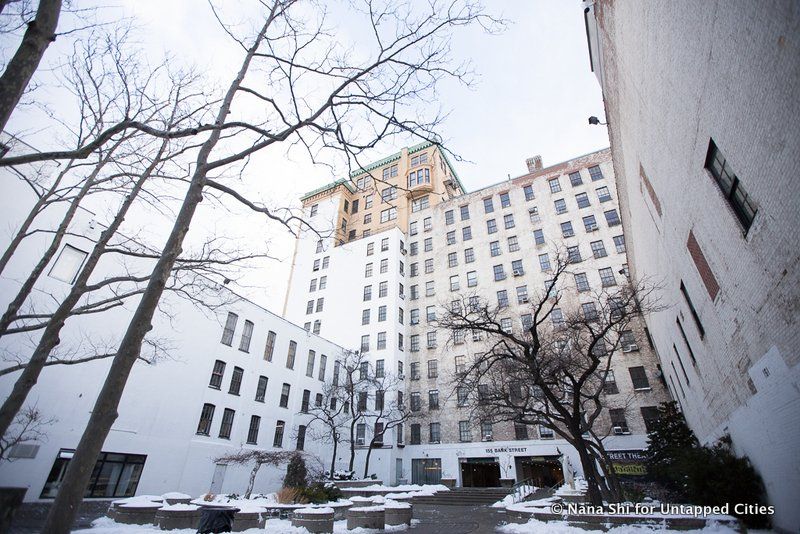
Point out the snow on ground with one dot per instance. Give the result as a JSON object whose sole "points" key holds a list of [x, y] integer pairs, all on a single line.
{"points": [[105, 525], [427, 488], [508, 500], [560, 527]]}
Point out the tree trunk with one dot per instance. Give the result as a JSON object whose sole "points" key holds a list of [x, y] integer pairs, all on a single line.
{"points": [[252, 482], [366, 461], [50, 337], [40, 33], [352, 445], [79, 470], [333, 460], [589, 472]]}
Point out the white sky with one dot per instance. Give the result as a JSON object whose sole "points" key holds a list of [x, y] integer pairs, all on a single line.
{"points": [[533, 95]]}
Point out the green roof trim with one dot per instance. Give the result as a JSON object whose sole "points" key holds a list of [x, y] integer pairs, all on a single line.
{"points": [[331, 185]]}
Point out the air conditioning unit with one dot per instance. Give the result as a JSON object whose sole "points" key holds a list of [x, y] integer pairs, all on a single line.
{"points": [[359, 441], [523, 300], [630, 348], [487, 437], [518, 272], [621, 430]]}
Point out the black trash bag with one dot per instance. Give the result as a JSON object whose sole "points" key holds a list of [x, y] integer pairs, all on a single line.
{"points": [[214, 520]]}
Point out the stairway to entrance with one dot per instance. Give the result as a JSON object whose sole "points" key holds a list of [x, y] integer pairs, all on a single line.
{"points": [[464, 496]]}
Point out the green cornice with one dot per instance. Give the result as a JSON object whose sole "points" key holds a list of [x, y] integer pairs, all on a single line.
{"points": [[331, 185]]}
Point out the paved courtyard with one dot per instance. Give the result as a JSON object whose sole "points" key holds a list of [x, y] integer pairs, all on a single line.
{"points": [[435, 519]]}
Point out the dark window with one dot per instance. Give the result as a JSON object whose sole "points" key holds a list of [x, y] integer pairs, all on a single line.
{"points": [[206, 417], [291, 354], [650, 417], [575, 178], [230, 327], [236, 381], [612, 218], [731, 188], [618, 421], [306, 401], [695, 316], [639, 378], [278, 440], [595, 173], [435, 433], [520, 431], [269, 348], [216, 375], [529, 194], [583, 200], [247, 335], [227, 423], [433, 399], [114, 475], [261, 390], [416, 434], [301, 431], [284, 403], [252, 433]]}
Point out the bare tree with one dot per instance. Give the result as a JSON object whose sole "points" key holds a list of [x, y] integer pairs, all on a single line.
{"points": [[552, 372], [328, 419], [255, 459], [387, 414], [29, 426], [354, 372]]}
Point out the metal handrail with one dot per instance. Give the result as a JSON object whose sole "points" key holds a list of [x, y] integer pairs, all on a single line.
{"points": [[517, 490]]}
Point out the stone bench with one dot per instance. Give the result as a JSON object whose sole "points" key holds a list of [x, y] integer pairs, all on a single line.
{"points": [[314, 519], [398, 513], [366, 517], [136, 514], [167, 519]]}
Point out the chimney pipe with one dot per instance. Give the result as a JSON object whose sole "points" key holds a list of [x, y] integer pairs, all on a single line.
{"points": [[534, 163]]}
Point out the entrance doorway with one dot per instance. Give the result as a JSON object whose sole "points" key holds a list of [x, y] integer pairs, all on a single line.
{"points": [[545, 471], [426, 471], [480, 473]]}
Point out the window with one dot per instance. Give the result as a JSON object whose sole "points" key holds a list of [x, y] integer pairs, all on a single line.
{"points": [[491, 226], [429, 266], [595, 173], [461, 366], [738, 199], [320, 304], [508, 220], [598, 249], [610, 384], [325, 262], [469, 255], [627, 341], [416, 434], [236, 381], [494, 248], [379, 398], [486, 431], [370, 249], [384, 265], [206, 417], [618, 422], [216, 375], [227, 423], [414, 269], [314, 209], [428, 244], [367, 293], [474, 306], [449, 217], [612, 218], [464, 212], [400, 315], [550, 288], [488, 206], [462, 395], [560, 206], [529, 194], [544, 262], [466, 233], [68, 264], [430, 289], [389, 193], [555, 186], [533, 213], [435, 433], [619, 243], [452, 260], [602, 194], [546, 433], [583, 200], [384, 244], [365, 316], [520, 431], [412, 230], [414, 317], [301, 437], [362, 401], [505, 200], [252, 433], [464, 433], [566, 229], [639, 378], [323, 362], [430, 313], [472, 279], [557, 316], [413, 248], [309, 307], [365, 343], [291, 354], [607, 277], [431, 338], [278, 439], [499, 273], [389, 214], [390, 172], [513, 244], [306, 401], [269, 348], [516, 268], [416, 404], [574, 254], [230, 327], [502, 298], [590, 223], [538, 237], [454, 283], [414, 292], [381, 340], [575, 178], [383, 289], [284, 402], [419, 204], [427, 224], [414, 370], [581, 282], [379, 368], [433, 399], [589, 310], [261, 389], [693, 311], [316, 265], [419, 177], [650, 417], [312, 286], [506, 325], [522, 294], [368, 201], [310, 364]]}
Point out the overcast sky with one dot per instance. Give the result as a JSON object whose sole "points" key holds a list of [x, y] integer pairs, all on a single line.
{"points": [[533, 93]]}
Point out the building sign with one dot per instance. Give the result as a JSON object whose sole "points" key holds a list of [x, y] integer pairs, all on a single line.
{"points": [[506, 449], [630, 463]]}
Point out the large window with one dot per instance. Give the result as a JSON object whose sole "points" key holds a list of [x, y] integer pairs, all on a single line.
{"points": [[284, 402], [741, 203], [278, 440], [291, 354], [68, 264], [464, 433], [236, 381], [216, 374], [261, 389], [114, 475], [252, 432], [227, 423], [247, 334], [435, 433], [269, 348], [206, 417], [301, 437], [639, 378], [230, 327]]}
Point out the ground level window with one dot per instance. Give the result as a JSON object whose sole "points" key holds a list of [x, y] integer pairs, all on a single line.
{"points": [[114, 475]]}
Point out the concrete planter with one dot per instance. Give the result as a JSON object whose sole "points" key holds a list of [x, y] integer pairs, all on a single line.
{"points": [[361, 501], [339, 509], [171, 501], [398, 515], [137, 515], [343, 484], [313, 522], [243, 520], [170, 519], [371, 517]]}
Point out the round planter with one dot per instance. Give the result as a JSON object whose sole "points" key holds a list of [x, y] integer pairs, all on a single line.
{"points": [[137, 515], [246, 519], [339, 509], [169, 519], [369, 517], [361, 501], [313, 521], [398, 514]]}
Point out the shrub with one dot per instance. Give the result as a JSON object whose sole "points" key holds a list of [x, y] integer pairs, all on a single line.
{"points": [[295, 473], [290, 496], [321, 492]]}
